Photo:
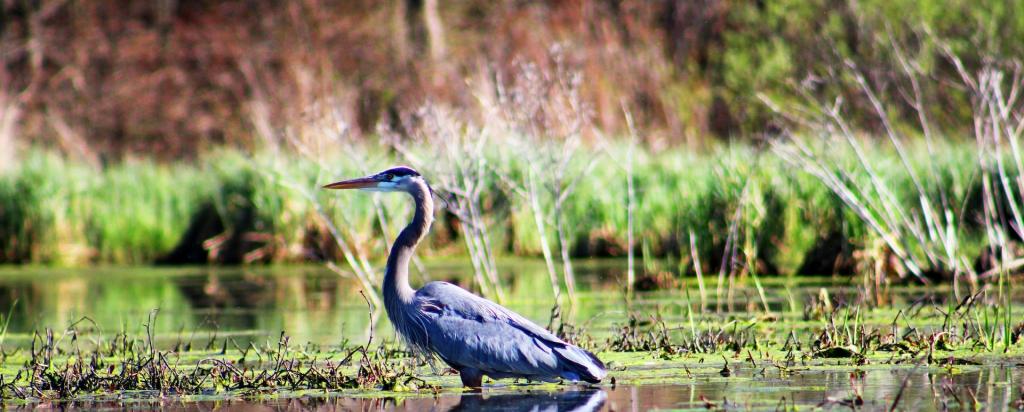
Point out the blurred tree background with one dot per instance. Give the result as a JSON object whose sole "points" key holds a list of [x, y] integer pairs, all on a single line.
{"points": [[173, 78], [147, 131]]}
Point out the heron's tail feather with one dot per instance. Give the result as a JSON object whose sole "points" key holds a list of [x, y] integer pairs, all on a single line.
{"points": [[578, 364]]}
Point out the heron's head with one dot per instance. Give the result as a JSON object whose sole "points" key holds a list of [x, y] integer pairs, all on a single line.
{"points": [[395, 179]]}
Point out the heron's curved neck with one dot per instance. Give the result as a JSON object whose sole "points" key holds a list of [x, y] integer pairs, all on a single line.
{"points": [[396, 277]]}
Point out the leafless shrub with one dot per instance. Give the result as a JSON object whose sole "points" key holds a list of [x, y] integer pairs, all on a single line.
{"points": [[542, 118], [452, 152], [321, 136], [998, 111]]}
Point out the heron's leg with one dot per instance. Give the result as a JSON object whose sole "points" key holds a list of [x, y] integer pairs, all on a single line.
{"points": [[472, 378]]}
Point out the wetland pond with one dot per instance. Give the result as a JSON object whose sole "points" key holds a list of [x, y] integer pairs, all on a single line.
{"points": [[792, 343]]}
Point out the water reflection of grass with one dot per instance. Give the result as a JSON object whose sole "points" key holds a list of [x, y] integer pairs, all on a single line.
{"points": [[200, 302], [301, 300]]}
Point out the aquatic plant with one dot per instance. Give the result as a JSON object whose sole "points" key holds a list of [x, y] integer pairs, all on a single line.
{"points": [[82, 361]]}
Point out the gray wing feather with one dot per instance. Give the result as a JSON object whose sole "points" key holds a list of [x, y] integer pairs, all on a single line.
{"points": [[467, 331]]}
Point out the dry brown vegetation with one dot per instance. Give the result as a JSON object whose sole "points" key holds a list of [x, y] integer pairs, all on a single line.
{"points": [[171, 78]]}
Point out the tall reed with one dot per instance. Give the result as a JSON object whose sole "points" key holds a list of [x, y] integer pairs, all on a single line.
{"points": [[930, 228]]}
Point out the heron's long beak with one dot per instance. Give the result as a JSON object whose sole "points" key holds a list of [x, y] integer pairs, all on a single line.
{"points": [[360, 183]]}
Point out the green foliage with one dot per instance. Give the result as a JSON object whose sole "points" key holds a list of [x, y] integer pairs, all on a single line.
{"points": [[773, 46]]}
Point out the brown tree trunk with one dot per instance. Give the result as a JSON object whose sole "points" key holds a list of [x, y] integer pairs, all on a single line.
{"points": [[435, 31], [401, 31]]}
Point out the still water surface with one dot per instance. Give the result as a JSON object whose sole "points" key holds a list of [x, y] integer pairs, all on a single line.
{"points": [[316, 306]]}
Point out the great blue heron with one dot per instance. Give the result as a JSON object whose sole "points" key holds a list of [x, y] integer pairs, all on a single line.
{"points": [[475, 336]]}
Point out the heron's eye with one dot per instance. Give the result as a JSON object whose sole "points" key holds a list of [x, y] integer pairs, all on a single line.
{"points": [[389, 176]]}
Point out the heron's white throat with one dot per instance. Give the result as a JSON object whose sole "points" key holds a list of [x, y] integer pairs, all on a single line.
{"points": [[382, 187]]}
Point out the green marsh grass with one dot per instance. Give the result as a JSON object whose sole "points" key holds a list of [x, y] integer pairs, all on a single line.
{"points": [[58, 211]]}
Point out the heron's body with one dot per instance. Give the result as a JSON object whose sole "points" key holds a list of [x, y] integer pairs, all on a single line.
{"points": [[475, 336]]}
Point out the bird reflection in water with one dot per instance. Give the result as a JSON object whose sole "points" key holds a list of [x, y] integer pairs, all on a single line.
{"points": [[575, 401], [582, 400]]}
